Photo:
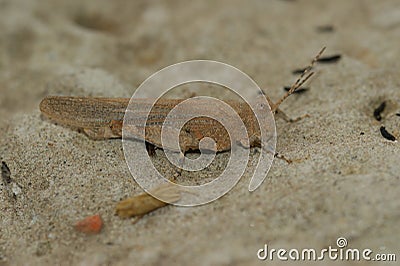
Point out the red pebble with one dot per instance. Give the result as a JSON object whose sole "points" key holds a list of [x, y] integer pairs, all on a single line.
{"points": [[90, 225]]}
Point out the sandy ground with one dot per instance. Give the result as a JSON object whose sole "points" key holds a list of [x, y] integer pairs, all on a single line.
{"points": [[346, 183]]}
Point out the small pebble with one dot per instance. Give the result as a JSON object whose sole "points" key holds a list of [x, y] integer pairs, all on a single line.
{"points": [[90, 225]]}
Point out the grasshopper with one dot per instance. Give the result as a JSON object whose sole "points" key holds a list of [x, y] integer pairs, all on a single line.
{"points": [[102, 118]]}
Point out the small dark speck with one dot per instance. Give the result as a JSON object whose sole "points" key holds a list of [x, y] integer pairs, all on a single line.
{"points": [[299, 71], [379, 110], [299, 91], [5, 173], [329, 59], [386, 134], [362, 133], [398, 114], [325, 28]]}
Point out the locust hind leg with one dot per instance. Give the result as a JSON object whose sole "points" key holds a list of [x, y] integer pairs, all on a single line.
{"points": [[111, 131], [100, 133]]}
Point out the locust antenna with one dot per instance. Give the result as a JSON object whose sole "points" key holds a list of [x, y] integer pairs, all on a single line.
{"points": [[306, 75]]}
